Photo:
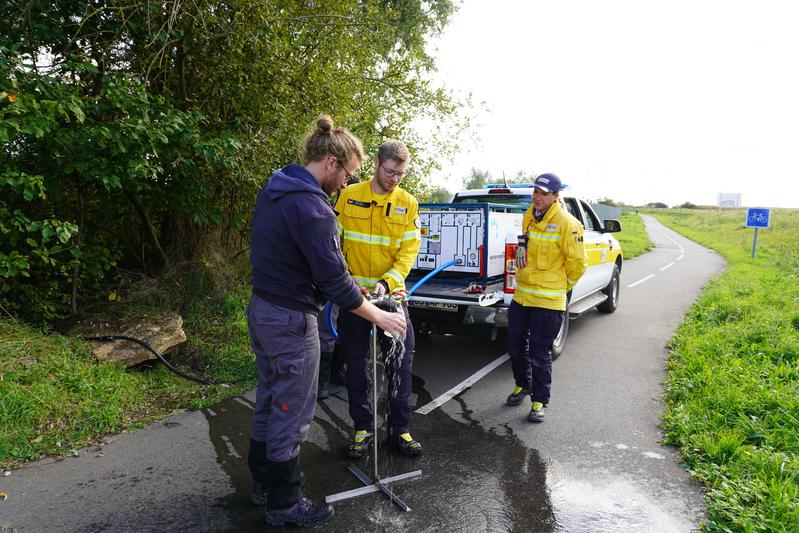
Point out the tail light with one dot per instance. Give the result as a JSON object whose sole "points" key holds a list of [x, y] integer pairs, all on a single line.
{"points": [[510, 268]]}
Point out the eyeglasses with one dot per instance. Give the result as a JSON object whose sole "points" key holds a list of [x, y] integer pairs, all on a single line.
{"points": [[351, 178], [391, 173]]}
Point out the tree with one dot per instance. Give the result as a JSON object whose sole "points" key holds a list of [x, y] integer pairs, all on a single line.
{"points": [[139, 132], [476, 179], [523, 176], [437, 194], [606, 201], [659, 205]]}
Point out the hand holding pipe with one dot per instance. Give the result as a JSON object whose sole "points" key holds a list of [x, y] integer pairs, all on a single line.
{"points": [[407, 296]]}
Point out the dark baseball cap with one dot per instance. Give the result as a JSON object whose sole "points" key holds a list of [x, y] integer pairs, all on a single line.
{"points": [[548, 183]]}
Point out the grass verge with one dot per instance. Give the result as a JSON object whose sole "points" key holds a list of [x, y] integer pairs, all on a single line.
{"points": [[733, 390], [632, 237], [54, 398]]}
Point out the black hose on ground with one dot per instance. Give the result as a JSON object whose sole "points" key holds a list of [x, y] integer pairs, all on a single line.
{"points": [[196, 379]]}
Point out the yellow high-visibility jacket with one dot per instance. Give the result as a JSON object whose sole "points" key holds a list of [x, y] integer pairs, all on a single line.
{"points": [[380, 234], [556, 259]]}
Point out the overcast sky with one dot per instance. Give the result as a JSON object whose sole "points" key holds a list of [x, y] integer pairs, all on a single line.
{"points": [[639, 101]]}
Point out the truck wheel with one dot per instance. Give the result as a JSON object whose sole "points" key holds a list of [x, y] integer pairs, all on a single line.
{"points": [[560, 340], [612, 292]]}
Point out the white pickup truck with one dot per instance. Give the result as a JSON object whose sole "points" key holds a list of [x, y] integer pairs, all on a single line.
{"points": [[477, 231]]}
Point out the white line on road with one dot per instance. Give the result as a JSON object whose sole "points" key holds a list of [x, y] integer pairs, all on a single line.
{"points": [[230, 449], [457, 389], [244, 402], [680, 258], [667, 266], [640, 281]]}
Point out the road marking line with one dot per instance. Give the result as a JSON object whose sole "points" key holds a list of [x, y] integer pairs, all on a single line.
{"points": [[667, 266], [230, 449], [640, 281], [243, 402], [680, 258], [457, 389]]}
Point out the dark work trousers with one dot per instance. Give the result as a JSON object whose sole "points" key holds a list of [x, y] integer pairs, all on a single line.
{"points": [[286, 346], [327, 343], [355, 345], [531, 331]]}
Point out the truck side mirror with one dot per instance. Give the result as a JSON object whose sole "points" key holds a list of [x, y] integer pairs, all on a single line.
{"points": [[611, 226]]}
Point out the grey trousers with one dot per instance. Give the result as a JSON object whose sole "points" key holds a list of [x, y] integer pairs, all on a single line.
{"points": [[286, 346]]}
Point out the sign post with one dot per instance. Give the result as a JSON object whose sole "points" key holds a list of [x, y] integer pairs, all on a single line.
{"points": [[757, 218]]}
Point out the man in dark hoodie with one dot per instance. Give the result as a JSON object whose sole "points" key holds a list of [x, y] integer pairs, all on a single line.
{"points": [[297, 266]]}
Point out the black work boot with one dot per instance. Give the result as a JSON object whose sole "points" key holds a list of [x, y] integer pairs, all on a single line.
{"points": [[304, 513], [286, 504], [256, 459]]}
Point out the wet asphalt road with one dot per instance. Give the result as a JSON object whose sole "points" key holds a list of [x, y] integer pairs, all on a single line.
{"points": [[596, 464]]}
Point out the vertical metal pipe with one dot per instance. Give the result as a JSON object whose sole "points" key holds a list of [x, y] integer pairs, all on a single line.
{"points": [[374, 397], [754, 244]]}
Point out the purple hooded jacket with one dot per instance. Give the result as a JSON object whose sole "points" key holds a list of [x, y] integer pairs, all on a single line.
{"points": [[294, 248]]}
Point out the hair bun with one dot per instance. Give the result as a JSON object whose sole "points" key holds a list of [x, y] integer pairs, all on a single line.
{"points": [[324, 124]]}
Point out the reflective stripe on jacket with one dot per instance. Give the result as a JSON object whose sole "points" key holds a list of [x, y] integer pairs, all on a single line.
{"points": [[380, 234], [556, 259]]}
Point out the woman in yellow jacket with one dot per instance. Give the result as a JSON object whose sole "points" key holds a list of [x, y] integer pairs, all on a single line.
{"points": [[549, 261]]}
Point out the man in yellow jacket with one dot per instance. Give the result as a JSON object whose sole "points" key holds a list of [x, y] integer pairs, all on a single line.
{"points": [[550, 259], [379, 228]]}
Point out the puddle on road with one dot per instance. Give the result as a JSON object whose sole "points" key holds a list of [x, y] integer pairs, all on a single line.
{"points": [[609, 505], [473, 479]]}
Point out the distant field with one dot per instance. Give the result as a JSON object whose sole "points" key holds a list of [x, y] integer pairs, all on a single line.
{"points": [[733, 389]]}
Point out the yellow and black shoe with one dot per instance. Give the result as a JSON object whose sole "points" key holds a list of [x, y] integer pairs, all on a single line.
{"points": [[516, 397], [406, 445], [361, 444], [536, 412]]}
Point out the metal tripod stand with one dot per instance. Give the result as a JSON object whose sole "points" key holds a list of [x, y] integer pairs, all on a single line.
{"points": [[375, 484]]}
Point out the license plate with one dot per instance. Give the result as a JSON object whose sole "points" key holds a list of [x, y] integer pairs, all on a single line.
{"points": [[451, 308]]}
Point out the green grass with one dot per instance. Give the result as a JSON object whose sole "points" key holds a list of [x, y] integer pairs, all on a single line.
{"points": [[55, 398], [733, 391], [632, 237]]}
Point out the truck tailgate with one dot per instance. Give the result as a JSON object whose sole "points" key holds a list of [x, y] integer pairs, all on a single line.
{"points": [[433, 290]]}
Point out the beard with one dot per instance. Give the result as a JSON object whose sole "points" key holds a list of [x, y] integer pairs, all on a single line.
{"points": [[331, 186]]}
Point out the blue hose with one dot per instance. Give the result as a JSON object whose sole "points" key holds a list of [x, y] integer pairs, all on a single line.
{"points": [[329, 307], [330, 325], [430, 275]]}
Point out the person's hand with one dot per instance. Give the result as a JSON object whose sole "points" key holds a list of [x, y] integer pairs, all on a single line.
{"points": [[392, 323], [380, 288], [521, 257]]}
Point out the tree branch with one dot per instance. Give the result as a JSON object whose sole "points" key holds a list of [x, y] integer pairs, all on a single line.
{"points": [[148, 226]]}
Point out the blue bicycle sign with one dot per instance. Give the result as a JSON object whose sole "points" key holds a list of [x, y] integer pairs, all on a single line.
{"points": [[757, 218]]}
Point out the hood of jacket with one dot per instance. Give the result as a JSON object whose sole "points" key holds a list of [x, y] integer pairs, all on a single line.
{"points": [[293, 178]]}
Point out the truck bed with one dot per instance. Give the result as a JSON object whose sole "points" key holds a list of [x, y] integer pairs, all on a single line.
{"points": [[449, 290]]}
